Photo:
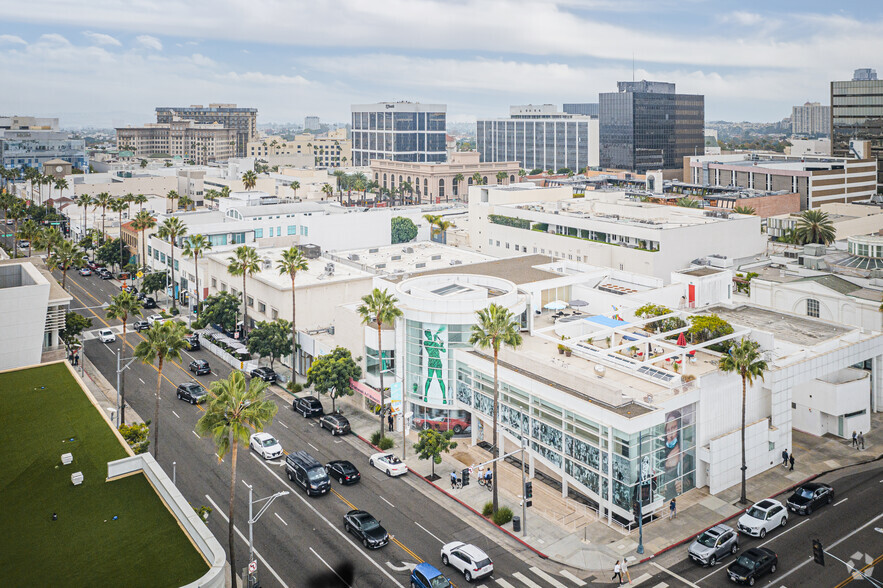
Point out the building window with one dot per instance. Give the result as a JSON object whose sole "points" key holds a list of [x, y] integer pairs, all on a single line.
{"points": [[149, 251], [214, 283], [262, 307], [223, 287], [812, 307], [274, 314], [250, 302], [292, 229], [259, 233]]}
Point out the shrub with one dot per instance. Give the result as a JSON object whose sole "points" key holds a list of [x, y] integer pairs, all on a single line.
{"points": [[488, 509], [375, 438], [502, 516], [295, 387], [174, 311], [509, 221], [385, 443]]}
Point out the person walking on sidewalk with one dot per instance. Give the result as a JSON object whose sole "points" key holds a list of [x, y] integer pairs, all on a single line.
{"points": [[791, 459], [389, 420], [672, 509], [453, 480], [861, 440], [854, 440], [785, 457], [617, 572], [624, 570]]}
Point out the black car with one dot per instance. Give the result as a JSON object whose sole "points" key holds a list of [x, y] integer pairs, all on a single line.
{"points": [[200, 367], [148, 302], [140, 325], [309, 406], [306, 471], [140, 296], [193, 343], [366, 528], [809, 497], [343, 471], [336, 423], [753, 564], [192, 393], [264, 373]]}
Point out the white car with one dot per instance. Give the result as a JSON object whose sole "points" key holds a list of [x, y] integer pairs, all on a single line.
{"points": [[388, 463], [763, 517], [467, 559], [265, 445], [156, 319], [106, 336]]}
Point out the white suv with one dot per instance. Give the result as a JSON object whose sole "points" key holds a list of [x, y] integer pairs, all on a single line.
{"points": [[468, 559], [106, 336], [763, 517]]}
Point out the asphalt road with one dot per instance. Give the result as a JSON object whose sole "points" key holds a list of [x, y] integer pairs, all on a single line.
{"points": [[300, 540]]}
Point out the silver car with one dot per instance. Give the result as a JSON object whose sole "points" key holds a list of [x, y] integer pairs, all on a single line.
{"points": [[714, 544]]}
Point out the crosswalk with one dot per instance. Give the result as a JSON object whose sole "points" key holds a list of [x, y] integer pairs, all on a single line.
{"points": [[536, 579], [93, 334]]}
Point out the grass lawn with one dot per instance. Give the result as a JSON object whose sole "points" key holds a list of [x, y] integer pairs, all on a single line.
{"points": [[45, 414]]}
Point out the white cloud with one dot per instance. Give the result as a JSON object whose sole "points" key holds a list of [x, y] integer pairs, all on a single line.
{"points": [[743, 18], [102, 39], [55, 38], [12, 40], [149, 42]]}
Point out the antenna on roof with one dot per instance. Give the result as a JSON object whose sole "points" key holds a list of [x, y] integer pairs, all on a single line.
{"points": [[633, 66]]}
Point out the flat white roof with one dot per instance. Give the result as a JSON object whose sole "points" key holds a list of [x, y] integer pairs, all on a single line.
{"points": [[314, 275], [408, 257]]}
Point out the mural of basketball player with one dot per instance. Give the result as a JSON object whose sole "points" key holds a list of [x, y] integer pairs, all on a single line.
{"points": [[434, 347]]}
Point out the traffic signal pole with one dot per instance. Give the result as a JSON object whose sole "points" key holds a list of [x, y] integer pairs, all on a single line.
{"points": [[523, 491]]}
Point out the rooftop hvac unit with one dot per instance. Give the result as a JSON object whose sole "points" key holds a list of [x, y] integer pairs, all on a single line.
{"points": [[396, 258], [329, 268], [434, 257], [353, 257], [267, 263], [310, 251], [408, 250], [380, 266], [600, 371], [373, 250], [421, 264], [331, 330]]}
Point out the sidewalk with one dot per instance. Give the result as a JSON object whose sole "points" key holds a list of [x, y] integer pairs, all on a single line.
{"points": [[105, 394]]}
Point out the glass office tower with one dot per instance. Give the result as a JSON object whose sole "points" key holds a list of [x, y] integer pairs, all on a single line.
{"points": [[857, 113], [399, 131]]}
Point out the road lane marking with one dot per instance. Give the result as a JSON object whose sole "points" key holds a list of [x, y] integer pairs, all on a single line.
{"points": [[547, 578], [283, 424], [313, 446], [525, 580], [643, 578], [784, 532], [280, 518], [572, 578], [220, 459], [664, 585], [197, 434], [844, 500], [674, 575], [427, 530], [406, 550], [241, 536], [329, 567], [387, 501], [175, 413], [142, 381], [504, 583], [347, 502], [854, 571]]}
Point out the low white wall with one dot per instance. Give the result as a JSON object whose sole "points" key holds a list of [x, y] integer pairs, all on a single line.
{"points": [[726, 456]]}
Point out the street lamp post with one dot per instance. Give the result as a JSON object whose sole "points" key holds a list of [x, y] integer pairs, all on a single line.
{"points": [[121, 388], [252, 519], [640, 495]]}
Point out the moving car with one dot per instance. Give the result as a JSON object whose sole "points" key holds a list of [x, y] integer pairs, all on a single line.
{"points": [[141, 325], [763, 517], [442, 423], [85, 271], [24, 244], [809, 497], [106, 336], [426, 576], [388, 463], [265, 445], [130, 288], [467, 559], [104, 274], [264, 373], [148, 302], [308, 406], [192, 392], [336, 423], [309, 474], [200, 367], [92, 265], [753, 564], [152, 319], [343, 471], [193, 342], [366, 528], [713, 545]]}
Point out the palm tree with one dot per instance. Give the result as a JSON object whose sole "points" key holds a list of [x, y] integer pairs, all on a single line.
{"points": [[408, 187], [61, 185], [291, 262], [244, 262], [143, 221], [327, 190], [170, 230], [442, 226], [103, 201], [119, 205], [29, 231], [66, 256], [235, 410], [84, 201], [339, 175], [433, 220], [185, 201], [121, 307], [172, 195], [496, 326], [743, 210], [249, 180], [49, 239], [379, 307], [458, 179], [46, 180], [162, 343], [501, 177], [745, 359], [195, 247], [522, 172], [476, 179], [295, 185], [688, 203], [225, 191], [140, 200], [370, 187], [16, 212], [814, 226]]}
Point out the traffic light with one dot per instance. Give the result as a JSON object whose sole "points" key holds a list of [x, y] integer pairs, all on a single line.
{"points": [[818, 552], [636, 510], [465, 475], [528, 493]]}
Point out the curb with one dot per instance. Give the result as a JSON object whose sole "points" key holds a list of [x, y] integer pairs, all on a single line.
{"points": [[452, 497]]}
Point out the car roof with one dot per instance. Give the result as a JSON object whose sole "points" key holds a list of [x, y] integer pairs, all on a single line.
{"points": [[199, 361], [262, 435], [767, 504], [105, 331], [813, 486], [428, 570], [472, 551]]}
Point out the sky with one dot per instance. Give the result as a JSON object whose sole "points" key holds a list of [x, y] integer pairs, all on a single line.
{"points": [[112, 62]]}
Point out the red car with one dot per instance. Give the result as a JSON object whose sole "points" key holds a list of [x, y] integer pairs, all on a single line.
{"points": [[455, 424]]}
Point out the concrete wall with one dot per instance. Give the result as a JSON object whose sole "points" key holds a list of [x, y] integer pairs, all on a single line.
{"points": [[833, 307], [726, 456], [24, 300], [159, 186]]}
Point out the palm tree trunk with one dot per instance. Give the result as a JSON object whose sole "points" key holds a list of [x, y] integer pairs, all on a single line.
{"points": [[244, 306], [172, 249], [494, 451], [196, 265], [143, 249], [380, 371], [230, 532], [63, 278], [294, 330], [743, 499], [121, 240], [156, 413]]}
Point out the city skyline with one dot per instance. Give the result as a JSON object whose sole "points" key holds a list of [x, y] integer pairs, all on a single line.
{"points": [[108, 64]]}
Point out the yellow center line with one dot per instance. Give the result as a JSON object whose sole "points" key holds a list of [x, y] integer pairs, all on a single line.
{"points": [[851, 578]]}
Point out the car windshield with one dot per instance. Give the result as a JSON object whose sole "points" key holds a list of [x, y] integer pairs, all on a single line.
{"points": [[757, 513], [393, 459], [269, 442], [347, 468], [439, 582], [316, 474], [804, 493], [482, 562], [746, 562], [369, 523], [707, 539]]}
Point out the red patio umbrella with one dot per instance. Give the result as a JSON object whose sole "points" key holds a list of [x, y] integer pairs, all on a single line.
{"points": [[682, 341]]}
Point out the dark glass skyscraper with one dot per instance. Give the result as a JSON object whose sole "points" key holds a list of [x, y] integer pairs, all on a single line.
{"points": [[647, 126], [857, 113]]}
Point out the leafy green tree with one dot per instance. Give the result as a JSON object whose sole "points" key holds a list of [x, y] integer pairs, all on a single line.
{"points": [[745, 359], [236, 408], [403, 229], [379, 307], [331, 374], [291, 262], [137, 435], [496, 326], [815, 226], [244, 262], [74, 324], [30, 232], [109, 254], [270, 339], [431, 444], [48, 239], [221, 309], [153, 283], [170, 230], [707, 327], [121, 307]]}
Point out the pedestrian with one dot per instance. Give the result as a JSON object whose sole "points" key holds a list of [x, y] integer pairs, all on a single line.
{"points": [[76, 359], [854, 440], [861, 439], [623, 568], [389, 420], [791, 459], [672, 509], [617, 572], [785, 457], [453, 480]]}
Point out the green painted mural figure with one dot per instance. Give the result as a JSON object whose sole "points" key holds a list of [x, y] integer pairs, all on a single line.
{"points": [[434, 348]]}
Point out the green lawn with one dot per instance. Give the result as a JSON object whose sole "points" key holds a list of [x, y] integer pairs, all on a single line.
{"points": [[45, 414]]}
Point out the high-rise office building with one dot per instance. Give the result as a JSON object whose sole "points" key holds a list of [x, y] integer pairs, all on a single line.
{"points": [[584, 108], [201, 143], [311, 123], [26, 141], [399, 131], [241, 120], [540, 137], [811, 119], [648, 126], [857, 113]]}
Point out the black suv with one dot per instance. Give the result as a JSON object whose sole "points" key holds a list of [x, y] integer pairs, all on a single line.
{"points": [[193, 343], [140, 325], [753, 564], [366, 528], [264, 373], [148, 302], [336, 423], [343, 471], [303, 469], [309, 406], [192, 393], [200, 367], [809, 497]]}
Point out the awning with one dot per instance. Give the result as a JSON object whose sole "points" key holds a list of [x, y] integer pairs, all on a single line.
{"points": [[578, 303], [556, 305], [682, 341], [366, 391]]}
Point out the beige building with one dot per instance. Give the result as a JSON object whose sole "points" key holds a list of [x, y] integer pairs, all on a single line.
{"points": [[330, 150], [849, 220], [436, 180], [242, 121], [179, 138]]}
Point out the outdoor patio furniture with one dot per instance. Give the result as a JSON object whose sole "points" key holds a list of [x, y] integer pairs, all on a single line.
{"points": [[67, 458], [77, 478]]}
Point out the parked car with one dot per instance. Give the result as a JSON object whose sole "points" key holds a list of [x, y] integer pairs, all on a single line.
{"points": [[24, 244], [193, 343], [265, 445], [753, 564], [148, 302], [85, 271], [192, 392], [427, 576], [140, 325], [809, 497], [264, 373], [104, 274], [343, 471], [92, 265], [308, 406], [442, 423], [140, 296], [713, 545], [336, 423], [200, 367], [467, 559], [154, 318], [763, 517], [388, 463], [106, 336], [130, 288], [366, 528], [303, 469]]}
